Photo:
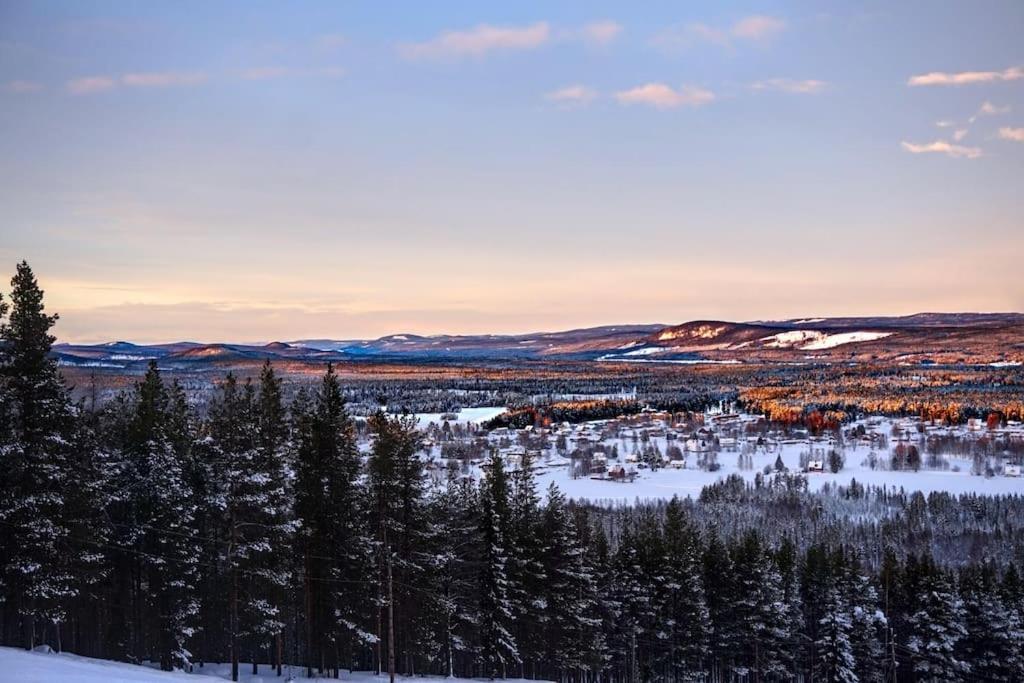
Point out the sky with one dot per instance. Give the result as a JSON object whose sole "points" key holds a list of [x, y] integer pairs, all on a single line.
{"points": [[256, 171]]}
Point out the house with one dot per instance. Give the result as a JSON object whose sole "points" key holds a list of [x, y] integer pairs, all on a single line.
{"points": [[815, 466], [1011, 470], [677, 464], [632, 457]]}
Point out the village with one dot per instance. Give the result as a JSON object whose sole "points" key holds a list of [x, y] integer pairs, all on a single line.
{"points": [[656, 454]]}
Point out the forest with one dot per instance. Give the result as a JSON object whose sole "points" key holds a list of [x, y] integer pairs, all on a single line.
{"points": [[256, 532]]}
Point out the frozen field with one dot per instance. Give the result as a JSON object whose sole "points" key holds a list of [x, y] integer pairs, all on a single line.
{"points": [[464, 416], [666, 482]]}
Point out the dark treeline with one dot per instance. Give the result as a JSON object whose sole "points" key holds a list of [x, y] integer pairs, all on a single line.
{"points": [[262, 534]]}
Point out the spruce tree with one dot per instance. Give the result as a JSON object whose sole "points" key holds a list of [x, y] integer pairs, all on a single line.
{"points": [[158, 531], [569, 591], [685, 612], [936, 628], [993, 635], [836, 662], [395, 487], [527, 577], [498, 650], [35, 452], [332, 534]]}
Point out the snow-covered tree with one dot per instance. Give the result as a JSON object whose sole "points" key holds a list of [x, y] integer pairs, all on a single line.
{"points": [[37, 425], [497, 646]]}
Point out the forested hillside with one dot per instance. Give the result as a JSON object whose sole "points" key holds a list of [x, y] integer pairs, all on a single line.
{"points": [[142, 531]]}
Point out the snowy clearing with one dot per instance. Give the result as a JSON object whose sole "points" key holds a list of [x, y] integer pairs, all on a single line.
{"points": [[866, 460], [830, 341], [41, 667], [464, 416]]}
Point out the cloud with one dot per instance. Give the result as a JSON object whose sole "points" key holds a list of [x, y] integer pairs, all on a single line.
{"points": [[661, 96], [154, 79], [479, 41], [1015, 134], [753, 28], [757, 27], [959, 134], [943, 147], [598, 32], [990, 109], [945, 123], [804, 87], [967, 77], [22, 86], [162, 79], [90, 85], [579, 95]]}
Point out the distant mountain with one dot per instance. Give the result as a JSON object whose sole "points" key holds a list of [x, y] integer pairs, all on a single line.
{"points": [[924, 337]]}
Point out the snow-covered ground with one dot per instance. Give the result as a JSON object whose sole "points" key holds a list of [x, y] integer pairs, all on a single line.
{"points": [[736, 454], [19, 666], [464, 416], [666, 482]]}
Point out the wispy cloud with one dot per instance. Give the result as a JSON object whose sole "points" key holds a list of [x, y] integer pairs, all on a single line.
{"points": [[1015, 134], [90, 85], [572, 95], [990, 109], [596, 32], [661, 96], [757, 27], [967, 77], [943, 147], [752, 28], [479, 41], [959, 134], [162, 79], [800, 87], [22, 87]]}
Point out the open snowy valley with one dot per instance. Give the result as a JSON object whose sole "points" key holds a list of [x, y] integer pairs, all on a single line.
{"points": [[655, 455]]}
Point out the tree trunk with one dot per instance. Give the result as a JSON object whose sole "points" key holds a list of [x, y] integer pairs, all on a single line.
{"points": [[391, 616]]}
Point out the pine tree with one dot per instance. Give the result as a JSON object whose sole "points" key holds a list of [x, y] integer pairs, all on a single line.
{"points": [[86, 508], [836, 662], [571, 626], [526, 569], [993, 635], [450, 577], [685, 613], [395, 488], [760, 608], [936, 628], [498, 648], [157, 531], [268, 537], [717, 579], [36, 444], [246, 449], [332, 534]]}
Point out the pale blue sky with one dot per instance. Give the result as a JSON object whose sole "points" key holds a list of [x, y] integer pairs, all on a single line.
{"points": [[256, 171]]}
